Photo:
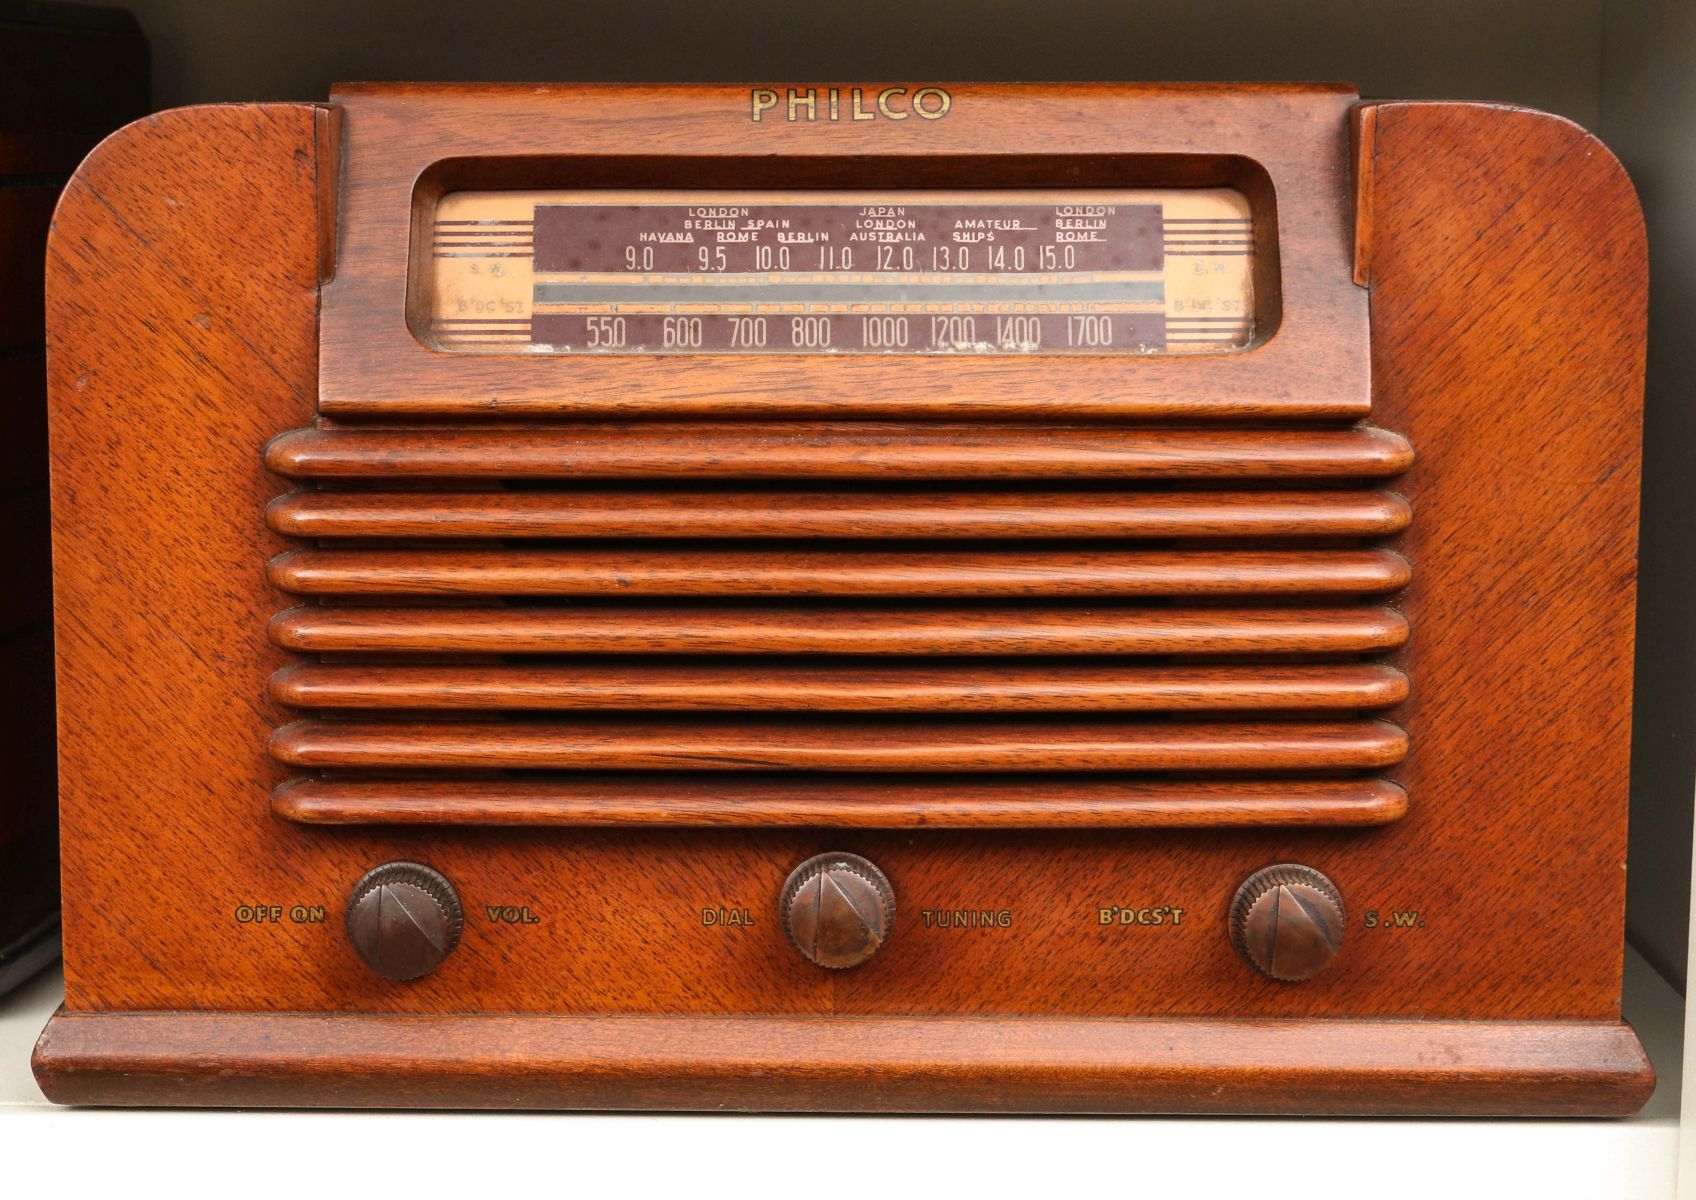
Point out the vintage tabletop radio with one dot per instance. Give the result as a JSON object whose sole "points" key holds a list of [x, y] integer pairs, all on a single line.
{"points": [[899, 597]]}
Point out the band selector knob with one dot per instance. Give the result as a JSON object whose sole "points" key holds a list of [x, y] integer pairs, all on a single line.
{"points": [[838, 909], [1287, 921], [404, 919]]}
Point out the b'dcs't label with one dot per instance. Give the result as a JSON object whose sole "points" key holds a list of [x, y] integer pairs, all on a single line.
{"points": [[1162, 914]]}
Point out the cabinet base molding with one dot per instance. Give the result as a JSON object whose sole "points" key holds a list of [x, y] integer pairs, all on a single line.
{"points": [[846, 1064]]}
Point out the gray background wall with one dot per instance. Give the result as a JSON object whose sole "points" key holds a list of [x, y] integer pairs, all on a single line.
{"points": [[1648, 116], [1626, 68]]}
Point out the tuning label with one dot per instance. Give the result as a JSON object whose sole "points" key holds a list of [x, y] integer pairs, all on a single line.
{"points": [[966, 918]]}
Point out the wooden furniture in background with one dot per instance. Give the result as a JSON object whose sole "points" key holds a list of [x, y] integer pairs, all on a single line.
{"points": [[1067, 648], [69, 75]]}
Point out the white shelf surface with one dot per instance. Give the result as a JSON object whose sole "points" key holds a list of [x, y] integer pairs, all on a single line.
{"points": [[260, 1153]]}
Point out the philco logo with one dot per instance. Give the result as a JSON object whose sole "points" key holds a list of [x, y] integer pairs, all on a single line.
{"points": [[849, 104]]}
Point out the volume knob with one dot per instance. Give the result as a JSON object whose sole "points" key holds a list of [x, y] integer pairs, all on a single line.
{"points": [[1287, 921], [837, 909], [404, 919]]}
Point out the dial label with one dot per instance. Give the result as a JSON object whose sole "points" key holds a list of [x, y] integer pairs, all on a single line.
{"points": [[722, 916]]}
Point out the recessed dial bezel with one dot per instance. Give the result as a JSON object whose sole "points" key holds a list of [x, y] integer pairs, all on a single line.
{"points": [[1290, 159], [1103, 271]]}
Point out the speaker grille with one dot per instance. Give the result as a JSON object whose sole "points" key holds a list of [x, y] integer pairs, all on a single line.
{"points": [[853, 624]]}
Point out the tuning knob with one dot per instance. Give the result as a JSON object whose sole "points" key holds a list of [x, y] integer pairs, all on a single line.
{"points": [[1287, 921], [838, 909], [404, 919]]}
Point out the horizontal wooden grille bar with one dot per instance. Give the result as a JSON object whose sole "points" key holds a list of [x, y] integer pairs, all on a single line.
{"points": [[787, 450], [832, 801], [917, 688], [985, 745], [842, 515], [891, 574], [956, 631]]}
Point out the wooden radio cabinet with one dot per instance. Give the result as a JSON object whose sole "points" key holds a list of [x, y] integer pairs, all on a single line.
{"points": [[900, 597]]}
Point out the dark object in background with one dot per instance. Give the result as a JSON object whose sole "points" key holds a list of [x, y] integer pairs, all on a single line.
{"points": [[69, 75]]}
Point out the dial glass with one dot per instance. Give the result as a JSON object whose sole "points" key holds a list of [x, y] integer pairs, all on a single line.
{"points": [[1084, 271]]}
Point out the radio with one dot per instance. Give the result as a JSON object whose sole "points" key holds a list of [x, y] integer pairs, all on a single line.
{"points": [[900, 597]]}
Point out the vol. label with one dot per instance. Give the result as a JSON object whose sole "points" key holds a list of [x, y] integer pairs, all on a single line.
{"points": [[511, 914]]}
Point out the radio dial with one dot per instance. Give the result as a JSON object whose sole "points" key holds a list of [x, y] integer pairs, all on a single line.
{"points": [[1287, 921], [404, 919], [838, 910]]}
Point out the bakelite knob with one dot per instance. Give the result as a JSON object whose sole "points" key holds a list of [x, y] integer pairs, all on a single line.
{"points": [[404, 919], [1287, 921], [838, 909]]}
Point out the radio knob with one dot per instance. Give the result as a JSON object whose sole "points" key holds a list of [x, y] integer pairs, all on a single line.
{"points": [[404, 919], [838, 909], [1287, 921]]}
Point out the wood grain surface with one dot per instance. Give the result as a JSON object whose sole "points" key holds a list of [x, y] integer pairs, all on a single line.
{"points": [[886, 573], [951, 515], [1338, 1068], [832, 688], [864, 450], [764, 744], [586, 628], [843, 801], [1515, 577]]}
